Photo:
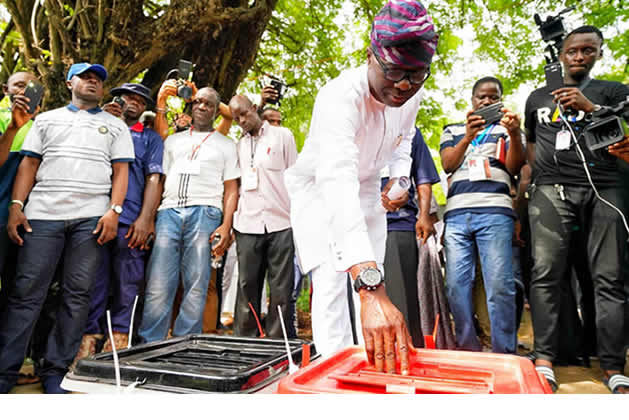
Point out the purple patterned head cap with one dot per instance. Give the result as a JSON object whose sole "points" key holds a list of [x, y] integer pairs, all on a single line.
{"points": [[402, 33]]}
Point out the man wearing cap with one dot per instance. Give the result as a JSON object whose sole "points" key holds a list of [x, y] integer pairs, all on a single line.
{"points": [[362, 121], [122, 271], [74, 174]]}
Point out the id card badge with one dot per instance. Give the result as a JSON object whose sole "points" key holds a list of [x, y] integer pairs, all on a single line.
{"points": [[250, 179], [562, 141], [188, 167], [478, 167]]}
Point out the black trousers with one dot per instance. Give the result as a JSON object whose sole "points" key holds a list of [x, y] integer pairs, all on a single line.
{"points": [[553, 223], [400, 278], [271, 254]]}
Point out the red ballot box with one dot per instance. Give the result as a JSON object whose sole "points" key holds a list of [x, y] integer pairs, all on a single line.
{"points": [[431, 372]]}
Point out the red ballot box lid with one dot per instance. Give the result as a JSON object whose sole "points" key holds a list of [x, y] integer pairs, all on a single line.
{"points": [[431, 372]]}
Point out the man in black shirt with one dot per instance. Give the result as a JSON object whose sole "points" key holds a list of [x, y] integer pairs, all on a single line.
{"points": [[562, 199]]}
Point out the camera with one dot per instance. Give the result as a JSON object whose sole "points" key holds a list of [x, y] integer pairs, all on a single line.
{"points": [[491, 113], [606, 126], [279, 86], [552, 32], [183, 74]]}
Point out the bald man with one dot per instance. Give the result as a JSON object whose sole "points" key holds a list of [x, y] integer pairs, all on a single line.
{"points": [[264, 238]]}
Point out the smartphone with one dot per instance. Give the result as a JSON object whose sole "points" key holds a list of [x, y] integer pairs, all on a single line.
{"points": [[554, 76], [185, 68], [35, 92], [278, 86], [491, 113], [119, 101]]}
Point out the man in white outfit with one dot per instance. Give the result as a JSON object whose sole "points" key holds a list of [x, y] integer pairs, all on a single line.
{"points": [[362, 121]]}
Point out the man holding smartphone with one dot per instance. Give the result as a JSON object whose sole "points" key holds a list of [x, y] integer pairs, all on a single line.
{"points": [[122, 271], [74, 174], [479, 215], [14, 125]]}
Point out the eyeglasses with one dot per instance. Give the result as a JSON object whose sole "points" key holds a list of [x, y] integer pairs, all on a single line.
{"points": [[396, 75]]}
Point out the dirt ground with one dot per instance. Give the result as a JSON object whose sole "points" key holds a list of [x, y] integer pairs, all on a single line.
{"points": [[572, 379]]}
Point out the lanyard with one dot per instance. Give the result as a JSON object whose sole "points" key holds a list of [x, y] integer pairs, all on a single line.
{"points": [[254, 146], [480, 139], [198, 146]]}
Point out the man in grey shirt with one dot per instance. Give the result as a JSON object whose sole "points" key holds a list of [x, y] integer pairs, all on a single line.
{"points": [[74, 157]]}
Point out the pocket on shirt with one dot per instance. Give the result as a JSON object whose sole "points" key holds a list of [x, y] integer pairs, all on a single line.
{"points": [[274, 160]]}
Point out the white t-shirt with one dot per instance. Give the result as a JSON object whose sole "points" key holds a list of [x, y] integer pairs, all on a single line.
{"points": [[77, 149], [196, 164]]}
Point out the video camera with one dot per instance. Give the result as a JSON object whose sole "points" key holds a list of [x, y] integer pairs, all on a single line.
{"points": [[279, 86], [183, 74], [606, 126], [553, 32]]}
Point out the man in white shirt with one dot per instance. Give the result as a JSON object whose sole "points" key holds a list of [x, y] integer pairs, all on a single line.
{"points": [[362, 121], [264, 239], [198, 203]]}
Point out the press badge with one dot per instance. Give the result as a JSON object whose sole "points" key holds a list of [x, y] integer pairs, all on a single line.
{"points": [[562, 141], [250, 179], [478, 168]]}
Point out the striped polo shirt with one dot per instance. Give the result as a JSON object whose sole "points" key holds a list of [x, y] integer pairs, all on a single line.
{"points": [[487, 196], [76, 149]]}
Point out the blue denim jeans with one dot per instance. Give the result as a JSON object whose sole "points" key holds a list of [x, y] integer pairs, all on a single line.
{"points": [[181, 250], [37, 260], [492, 235]]}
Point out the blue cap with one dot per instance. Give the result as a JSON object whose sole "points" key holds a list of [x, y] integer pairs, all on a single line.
{"points": [[80, 68]]}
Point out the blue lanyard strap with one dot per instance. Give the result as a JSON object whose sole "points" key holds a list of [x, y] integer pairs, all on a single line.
{"points": [[480, 139]]}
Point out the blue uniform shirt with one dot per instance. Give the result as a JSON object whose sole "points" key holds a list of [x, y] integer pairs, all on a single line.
{"points": [[423, 171], [149, 151]]}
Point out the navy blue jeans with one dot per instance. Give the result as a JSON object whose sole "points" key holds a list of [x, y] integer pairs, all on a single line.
{"points": [[37, 259], [121, 274]]}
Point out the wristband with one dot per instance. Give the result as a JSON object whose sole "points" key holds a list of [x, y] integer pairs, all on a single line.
{"points": [[21, 203], [160, 110]]}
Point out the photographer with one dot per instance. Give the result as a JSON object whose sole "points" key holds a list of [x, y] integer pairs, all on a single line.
{"points": [[169, 88], [482, 159], [561, 198]]}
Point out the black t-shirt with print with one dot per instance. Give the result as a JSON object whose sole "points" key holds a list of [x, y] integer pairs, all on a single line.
{"points": [[542, 124]]}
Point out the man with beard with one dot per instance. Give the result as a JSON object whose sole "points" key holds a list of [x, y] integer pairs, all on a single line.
{"points": [[74, 174], [200, 195], [122, 271]]}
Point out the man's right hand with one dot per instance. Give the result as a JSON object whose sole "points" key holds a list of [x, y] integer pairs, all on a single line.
{"points": [[383, 327], [113, 108], [16, 219], [473, 126]]}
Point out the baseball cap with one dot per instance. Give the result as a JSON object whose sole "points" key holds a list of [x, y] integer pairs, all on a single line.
{"points": [[80, 68]]}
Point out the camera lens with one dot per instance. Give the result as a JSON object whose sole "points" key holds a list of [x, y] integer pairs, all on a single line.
{"points": [[184, 92]]}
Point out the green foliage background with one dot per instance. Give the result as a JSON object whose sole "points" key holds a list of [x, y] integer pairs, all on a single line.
{"points": [[309, 42]]}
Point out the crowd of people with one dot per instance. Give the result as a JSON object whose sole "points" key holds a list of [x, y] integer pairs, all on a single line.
{"points": [[113, 208]]}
